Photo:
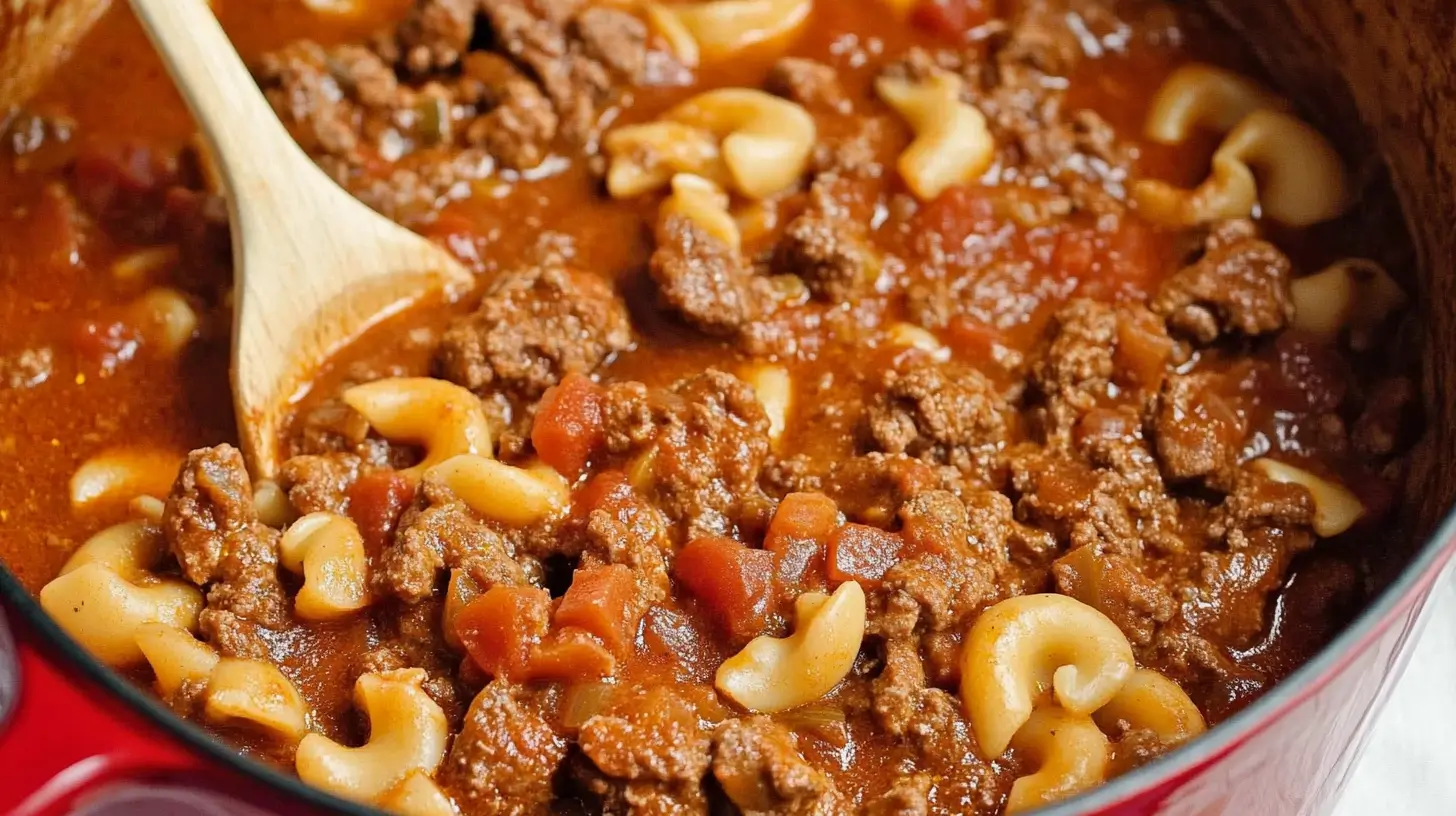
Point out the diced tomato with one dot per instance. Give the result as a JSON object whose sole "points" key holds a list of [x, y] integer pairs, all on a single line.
{"points": [[501, 629], [600, 601], [732, 582], [106, 343], [952, 19], [376, 501], [1143, 349], [570, 655], [608, 490], [1074, 253], [972, 340], [1136, 257], [858, 552], [958, 213], [568, 427], [798, 536]]}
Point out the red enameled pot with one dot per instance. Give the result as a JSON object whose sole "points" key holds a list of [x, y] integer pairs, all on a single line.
{"points": [[76, 738]]}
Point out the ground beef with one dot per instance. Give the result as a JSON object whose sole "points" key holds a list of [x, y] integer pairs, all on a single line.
{"points": [[809, 83], [826, 246], [625, 529], [441, 533], [1114, 586], [214, 532], [521, 123], [871, 488], [410, 636], [533, 327], [704, 442], [503, 759], [943, 414], [616, 39], [757, 763], [1239, 285], [650, 747], [317, 484], [706, 282], [1199, 434], [908, 796], [435, 33]]}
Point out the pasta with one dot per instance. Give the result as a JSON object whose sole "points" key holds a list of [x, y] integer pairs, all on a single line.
{"points": [[1354, 294], [705, 204], [407, 732], [145, 264], [775, 390], [272, 505], [1024, 646], [459, 592], [504, 493], [909, 335], [718, 29], [417, 795], [1199, 96], [776, 674], [645, 157], [329, 551], [952, 142], [166, 321], [1336, 509], [1151, 701], [176, 657], [751, 141], [106, 591], [1070, 753], [444, 418], [257, 693], [121, 474]]}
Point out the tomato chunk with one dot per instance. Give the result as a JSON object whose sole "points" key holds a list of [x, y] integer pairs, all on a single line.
{"points": [[798, 536], [571, 654], [858, 552], [568, 427], [501, 629], [952, 19], [599, 601], [732, 582], [376, 501]]}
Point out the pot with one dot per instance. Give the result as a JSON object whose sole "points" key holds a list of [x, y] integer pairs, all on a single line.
{"points": [[1379, 72]]}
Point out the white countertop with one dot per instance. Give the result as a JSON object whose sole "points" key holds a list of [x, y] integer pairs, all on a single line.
{"points": [[1408, 767]]}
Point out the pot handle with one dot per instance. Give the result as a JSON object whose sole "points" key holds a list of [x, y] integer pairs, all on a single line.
{"points": [[64, 736]]}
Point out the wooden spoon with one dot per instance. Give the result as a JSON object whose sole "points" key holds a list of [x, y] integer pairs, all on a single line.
{"points": [[312, 267]]}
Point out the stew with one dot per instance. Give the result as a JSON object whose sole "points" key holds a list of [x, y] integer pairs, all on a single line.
{"points": [[883, 406]]}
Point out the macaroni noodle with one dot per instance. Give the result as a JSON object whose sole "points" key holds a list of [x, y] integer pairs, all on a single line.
{"points": [[952, 142], [723, 28], [705, 204], [418, 795], [1070, 753], [257, 693], [444, 418], [175, 656], [765, 140], [647, 156], [329, 551], [776, 674], [1336, 509], [123, 473], [1202, 96], [1151, 701], [1354, 293], [504, 493], [407, 734], [775, 390], [1022, 647]]}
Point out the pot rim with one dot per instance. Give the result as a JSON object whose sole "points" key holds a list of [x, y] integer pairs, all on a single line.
{"points": [[1418, 576]]}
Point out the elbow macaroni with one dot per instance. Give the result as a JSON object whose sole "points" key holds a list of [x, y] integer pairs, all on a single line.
{"points": [[1336, 509], [165, 320], [1022, 647], [329, 552], [123, 473], [1151, 701], [272, 504], [1302, 178], [719, 29], [407, 734], [418, 795], [776, 674], [1202, 96], [504, 493], [444, 418], [705, 204], [106, 591], [749, 140], [176, 657], [257, 693], [1070, 753], [1354, 293], [952, 143]]}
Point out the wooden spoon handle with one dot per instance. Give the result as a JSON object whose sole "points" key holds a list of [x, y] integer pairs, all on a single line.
{"points": [[257, 156]]}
